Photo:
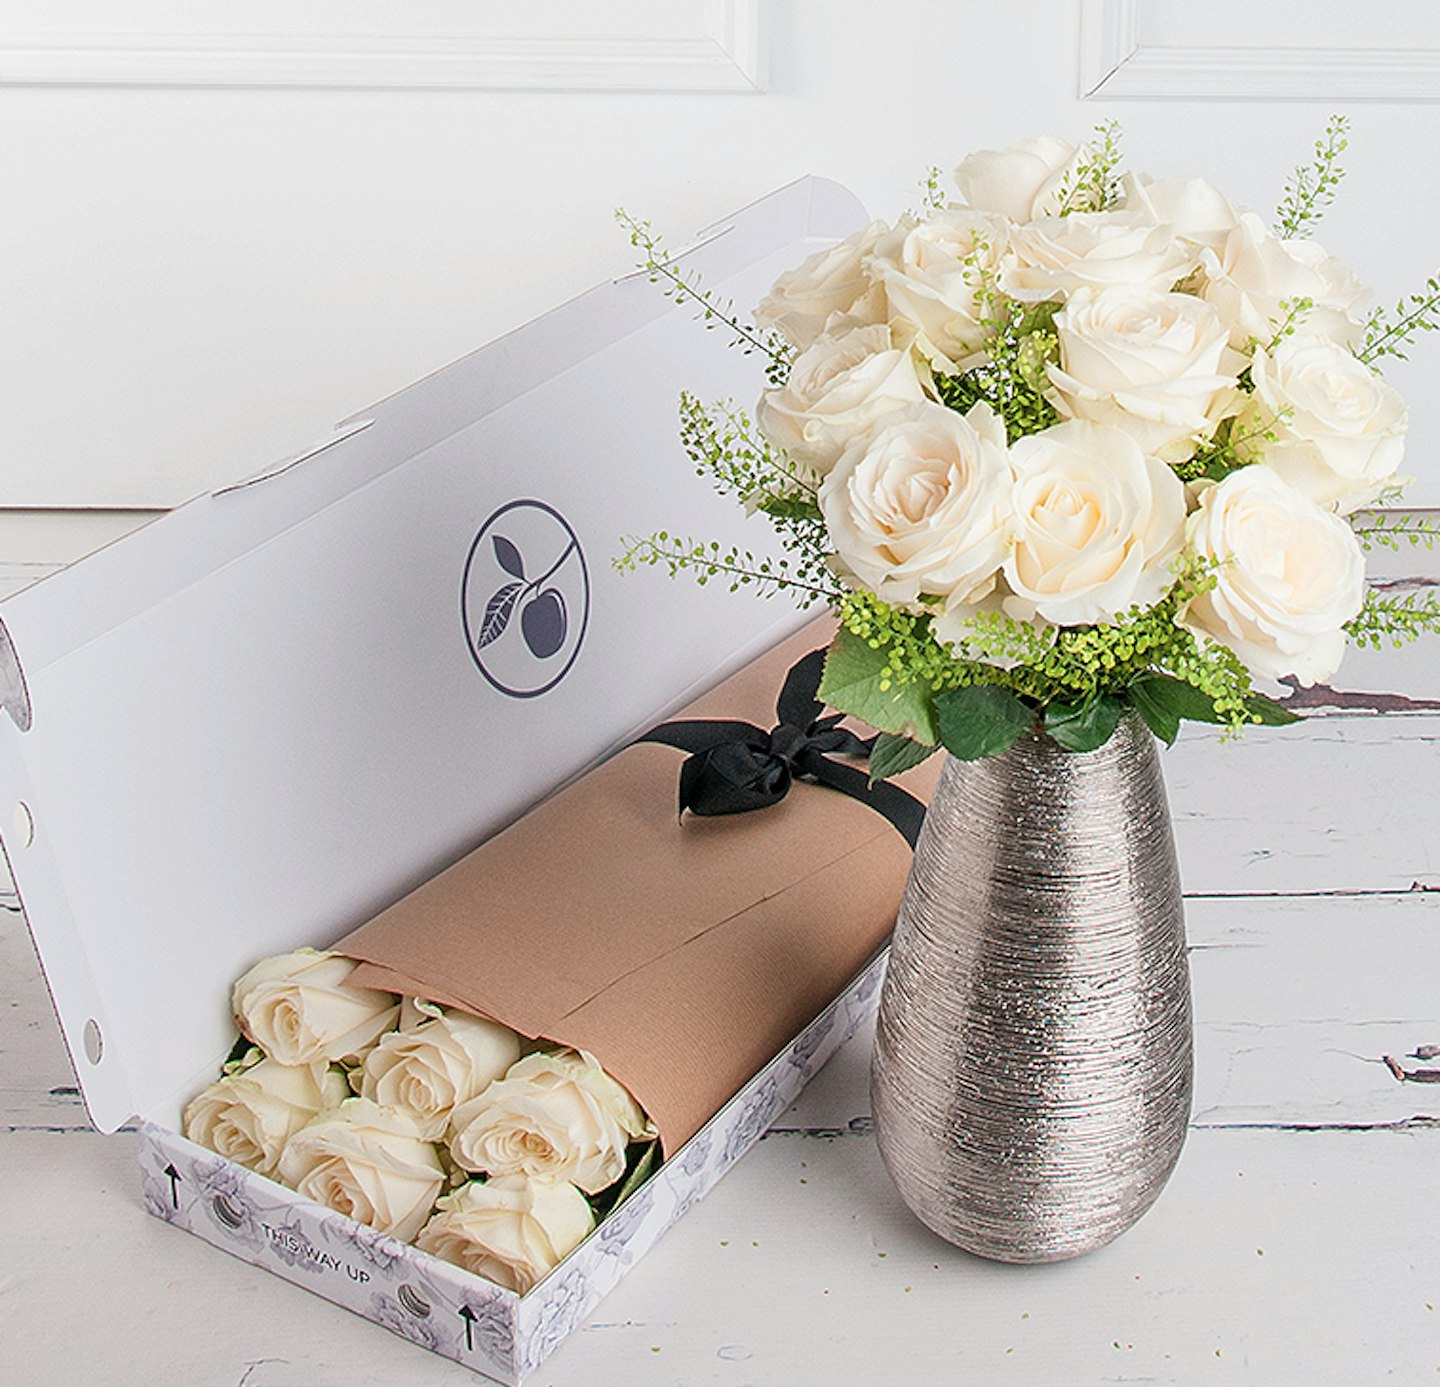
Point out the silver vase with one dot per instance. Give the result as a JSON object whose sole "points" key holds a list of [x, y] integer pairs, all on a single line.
{"points": [[1032, 1070]]}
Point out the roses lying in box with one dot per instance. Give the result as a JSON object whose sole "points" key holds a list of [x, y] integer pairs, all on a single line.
{"points": [[530, 1147]]}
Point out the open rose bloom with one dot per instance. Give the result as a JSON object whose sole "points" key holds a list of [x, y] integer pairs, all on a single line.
{"points": [[425, 1123], [1075, 440]]}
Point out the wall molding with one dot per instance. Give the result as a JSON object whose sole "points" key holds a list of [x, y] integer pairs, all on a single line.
{"points": [[728, 56], [1115, 63]]}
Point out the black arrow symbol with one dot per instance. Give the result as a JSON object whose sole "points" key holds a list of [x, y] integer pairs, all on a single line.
{"points": [[468, 1315], [174, 1185]]}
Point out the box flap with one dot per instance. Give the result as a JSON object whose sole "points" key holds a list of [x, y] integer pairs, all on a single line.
{"points": [[264, 717]]}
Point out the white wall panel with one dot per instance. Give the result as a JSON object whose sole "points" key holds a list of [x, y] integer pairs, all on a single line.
{"points": [[196, 281], [1329, 50], [617, 45]]}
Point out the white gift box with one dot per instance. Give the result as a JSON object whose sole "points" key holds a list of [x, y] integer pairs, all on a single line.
{"points": [[262, 718]]}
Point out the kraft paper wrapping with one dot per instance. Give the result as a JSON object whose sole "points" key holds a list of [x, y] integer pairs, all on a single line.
{"points": [[684, 956]]}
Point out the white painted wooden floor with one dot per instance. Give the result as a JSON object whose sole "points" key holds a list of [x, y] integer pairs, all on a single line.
{"points": [[1299, 1242]]}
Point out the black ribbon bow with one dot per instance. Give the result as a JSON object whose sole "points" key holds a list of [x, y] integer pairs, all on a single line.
{"points": [[734, 767]]}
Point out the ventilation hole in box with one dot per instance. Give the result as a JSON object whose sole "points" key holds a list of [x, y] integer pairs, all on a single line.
{"points": [[93, 1041], [411, 1300], [227, 1211], [24, 825]]}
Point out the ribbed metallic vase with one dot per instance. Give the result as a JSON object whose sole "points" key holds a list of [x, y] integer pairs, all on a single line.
{"points": [[1032, 1068]]}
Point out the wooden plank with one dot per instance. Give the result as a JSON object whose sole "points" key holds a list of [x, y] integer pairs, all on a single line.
{"points": [[1295, 1254], [1263, 1262], [37, 1084], [104, 1283], [1344, 802], [1273, 1257], [1297, 1001]]}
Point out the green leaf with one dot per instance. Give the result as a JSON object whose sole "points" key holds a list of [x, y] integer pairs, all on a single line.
{"points": [[1270, 713], [981, 720], [639, 1173], [851, 684], [1083, 726], [1175, 697], [1162, 720], [1162, 699], [789, 507], [892, 755]]}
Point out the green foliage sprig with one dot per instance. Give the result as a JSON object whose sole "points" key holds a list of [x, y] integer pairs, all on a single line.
{"points": [[1394, 530], [1014, 378], [1094, 184], [725, 446], [684, 285], [1234, 445], [1395, 619], [1056, 663], [887, 667], [932, 195], [1295, 311], [1071, 663], [1389, 335], [739, 567], [1312, 187]]}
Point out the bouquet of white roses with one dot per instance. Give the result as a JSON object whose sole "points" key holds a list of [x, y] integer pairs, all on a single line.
{"points": [[426, 1123], [1079, 441]]}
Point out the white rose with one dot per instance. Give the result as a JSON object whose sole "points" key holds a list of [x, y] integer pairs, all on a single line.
{"points": [[510, 1230], [297, 1009], [923, 505], [1053, 257], [551, 1115], [1022, 181], [1339, 429], [427, 1069], [248, 1116], [1252, 275], [831, 281], [1291, 575], [1097, 523], [838, 388], [930, 272], [367, 1162], [1157, 366], [1193, 209]]}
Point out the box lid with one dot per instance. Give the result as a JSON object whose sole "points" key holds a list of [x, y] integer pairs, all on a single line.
{"points": [[263, 717]]}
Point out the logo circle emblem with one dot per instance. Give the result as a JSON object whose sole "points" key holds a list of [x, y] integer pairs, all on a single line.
{"points": [[525, 598]]}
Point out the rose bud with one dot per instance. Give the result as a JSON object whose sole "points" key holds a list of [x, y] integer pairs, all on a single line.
{"points": [[551, 1115], [367, 1162], [428, 1068], [510, 1230], [296, 1008], [1288, 576], [248, 1116]]}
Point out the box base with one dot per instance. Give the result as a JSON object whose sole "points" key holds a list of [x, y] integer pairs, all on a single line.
{"points": [[441, 1307]]}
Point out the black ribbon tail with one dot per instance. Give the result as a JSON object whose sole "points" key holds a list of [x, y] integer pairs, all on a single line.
{"points": [[705, 734], [799, 702], [900, 807]]}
